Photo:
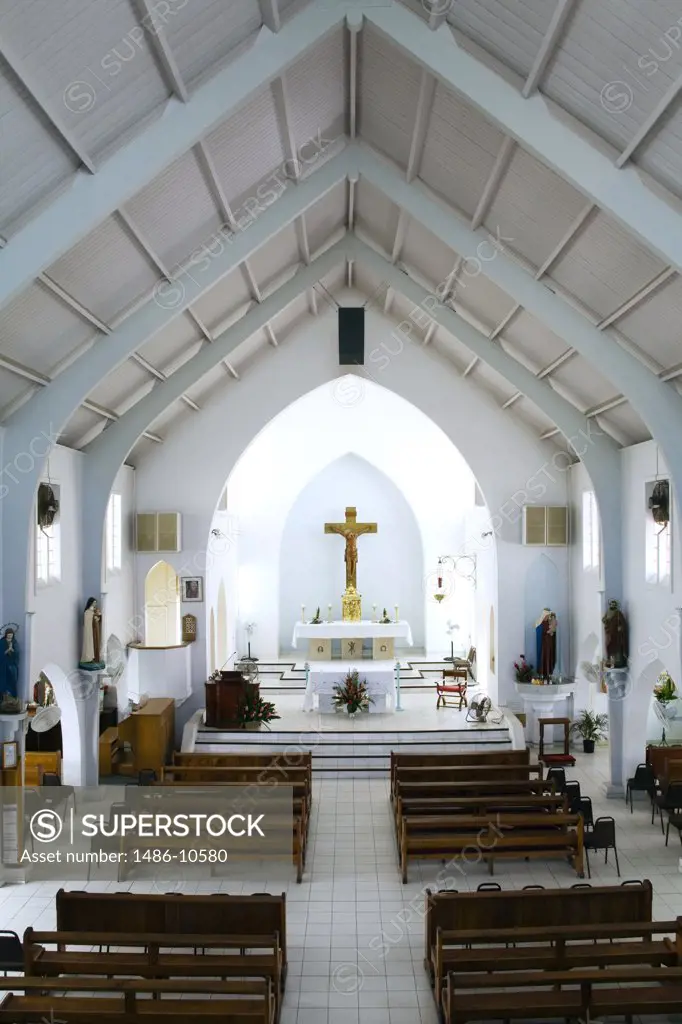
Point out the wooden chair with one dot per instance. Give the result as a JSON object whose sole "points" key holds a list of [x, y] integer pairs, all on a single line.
{"points": [[457, 688], [558, 759]]}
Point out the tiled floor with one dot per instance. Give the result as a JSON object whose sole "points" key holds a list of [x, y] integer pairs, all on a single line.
{"points": [[355, 933]]}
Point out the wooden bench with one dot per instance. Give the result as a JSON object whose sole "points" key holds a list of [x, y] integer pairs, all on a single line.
{"points": [[558, 947], [486, 911], [479, 757], [215, 914], [452, 837], [468, 773], [295, 759], [155, 956], [406, 806], [558, 995], [464, 789], [254, 775], [48, 999]]}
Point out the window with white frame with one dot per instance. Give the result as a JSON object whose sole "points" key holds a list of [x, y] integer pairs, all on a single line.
{"points": [[590, 531], [113, 532], [48, 554], [657, 546]]}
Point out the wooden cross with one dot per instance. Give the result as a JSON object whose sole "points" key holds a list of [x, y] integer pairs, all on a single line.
{"points": [[351, 530]]}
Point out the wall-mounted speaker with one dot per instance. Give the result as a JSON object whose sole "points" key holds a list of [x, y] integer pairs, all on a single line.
{"points": [[351, 336]]}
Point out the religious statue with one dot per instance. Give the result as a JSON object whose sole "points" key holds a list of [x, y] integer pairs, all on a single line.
{"points": [[9, 662], [92, 637], [545, 632], [350, 531], [615, 636]]}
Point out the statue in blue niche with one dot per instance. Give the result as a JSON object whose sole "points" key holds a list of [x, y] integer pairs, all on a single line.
{"points": [[545, 641], [9, 661]]}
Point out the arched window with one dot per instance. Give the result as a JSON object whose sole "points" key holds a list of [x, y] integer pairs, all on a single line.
{"points": [[221, 616], [212, 641], [161, 606]]}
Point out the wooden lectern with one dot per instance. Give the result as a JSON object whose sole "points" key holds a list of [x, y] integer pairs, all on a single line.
{"points": [[223, 697]]}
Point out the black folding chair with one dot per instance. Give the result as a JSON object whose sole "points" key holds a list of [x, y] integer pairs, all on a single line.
{"points": [[602, 837], [585, 809], [643, 781], [669, 800], [558, 776], [527, 887], [11, 952], [572, 791], [489, 887]]}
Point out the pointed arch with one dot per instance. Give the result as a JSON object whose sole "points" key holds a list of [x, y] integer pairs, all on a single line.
{"points": [[161, 606]]}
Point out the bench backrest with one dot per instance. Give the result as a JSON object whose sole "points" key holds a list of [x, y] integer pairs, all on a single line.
{"points": [[468, 773], [36, 764], [487, 910], [286, 759], [256, 775], [180, 913]]}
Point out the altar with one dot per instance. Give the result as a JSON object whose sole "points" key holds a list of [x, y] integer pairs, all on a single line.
{"points": [[321, 680], [351, 635]]}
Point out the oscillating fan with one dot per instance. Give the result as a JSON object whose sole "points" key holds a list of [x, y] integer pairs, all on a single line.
{"points": [[480, 707], [46, 718]]}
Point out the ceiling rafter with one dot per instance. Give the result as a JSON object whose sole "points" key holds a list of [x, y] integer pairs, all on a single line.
{"points": [[427, 91], [651, 122], [220, 198], [495, 177], [165, 58], [90, 199], [562, 11], [269, 12], [32, 89], [353, 24]]}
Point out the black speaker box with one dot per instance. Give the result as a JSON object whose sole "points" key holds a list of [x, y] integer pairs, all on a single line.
{"points": [[352, 336]]}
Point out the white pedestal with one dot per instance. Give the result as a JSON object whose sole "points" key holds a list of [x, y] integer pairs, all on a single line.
{"points": [[545, 702], [160, 672]]}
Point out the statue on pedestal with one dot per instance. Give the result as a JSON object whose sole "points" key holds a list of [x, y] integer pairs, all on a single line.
{"points": [[545, 632], [350, 531], [9, 661], [91, 658], [615, 636]]}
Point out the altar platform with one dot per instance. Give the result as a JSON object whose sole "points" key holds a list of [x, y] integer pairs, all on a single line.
{"points": [[360, 747]]}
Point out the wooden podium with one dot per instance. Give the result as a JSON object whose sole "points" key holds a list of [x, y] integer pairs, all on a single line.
{"points": [[223, 697]]}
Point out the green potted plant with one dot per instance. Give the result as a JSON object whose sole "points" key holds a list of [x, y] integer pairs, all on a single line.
{"points": [[665, 690], [352, 694], [592, 727], [254, 711]]}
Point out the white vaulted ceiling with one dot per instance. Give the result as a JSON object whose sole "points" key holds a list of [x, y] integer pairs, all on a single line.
{"points": [[82, 81]]}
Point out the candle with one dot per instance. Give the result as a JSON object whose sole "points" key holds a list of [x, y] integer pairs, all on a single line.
{"points": [[302, 613], [374, 613], [397, 617], [329, 613]]}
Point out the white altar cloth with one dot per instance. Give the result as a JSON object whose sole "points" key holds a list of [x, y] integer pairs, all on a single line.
{"points": [[353, 631], [322, 679]]}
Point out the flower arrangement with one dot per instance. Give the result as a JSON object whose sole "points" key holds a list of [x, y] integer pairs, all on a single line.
{"points": [[384, 620], [665, 689], [524, 671], [316, 620], [254, 709], [352, 694]]}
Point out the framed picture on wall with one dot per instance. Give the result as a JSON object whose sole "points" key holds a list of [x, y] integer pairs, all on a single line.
{"points": [[192, 588], [9, 754]]}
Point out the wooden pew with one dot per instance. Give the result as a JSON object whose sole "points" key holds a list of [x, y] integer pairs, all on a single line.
{"points": [[295, 758], [406, 806], [478, 757], [557, 995], [486, 911], [504, 836], [468, 773], [489, 788], [37, 763], [245, 775], [71, 1000], [218, 914], [155, 956], [557, 947]]}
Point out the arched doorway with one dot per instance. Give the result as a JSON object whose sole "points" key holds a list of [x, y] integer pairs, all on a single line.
{"points": [[222, 627], [73, 730], [161, 606]]}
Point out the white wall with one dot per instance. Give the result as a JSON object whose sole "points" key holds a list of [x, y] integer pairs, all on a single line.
{"points": [[504, 456], [653, 611], [390, 563], [58, 607]]}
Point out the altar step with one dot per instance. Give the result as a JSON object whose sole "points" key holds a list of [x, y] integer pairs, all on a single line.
{"points": [[416, 674], [353, 755]]}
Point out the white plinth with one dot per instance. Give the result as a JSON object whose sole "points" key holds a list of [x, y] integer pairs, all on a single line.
{"points": [[554, 701], [353, 631], [160, 672], [325, 675]]}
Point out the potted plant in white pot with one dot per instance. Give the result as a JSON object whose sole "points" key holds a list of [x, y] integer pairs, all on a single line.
{"points": [[592, 727]]}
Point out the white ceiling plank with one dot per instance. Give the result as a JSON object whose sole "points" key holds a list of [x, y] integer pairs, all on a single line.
{"points": [[648, 125], [92, 198], [551, 39], [492, 184], [31, 87], [541, 129]]}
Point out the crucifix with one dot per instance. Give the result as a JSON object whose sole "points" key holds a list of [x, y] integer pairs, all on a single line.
{"points": [[351, 530]]}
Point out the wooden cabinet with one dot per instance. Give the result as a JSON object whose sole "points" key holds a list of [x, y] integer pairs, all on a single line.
{"points": [[223, 697], [151, 735], [665, 761]]}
